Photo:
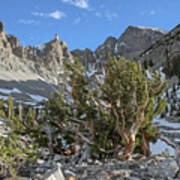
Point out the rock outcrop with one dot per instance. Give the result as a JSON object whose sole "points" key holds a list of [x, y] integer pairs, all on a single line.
{"points": [[130, 44], [51, 54], [152, 168], [32, 70], [1, 27], [165, 52], [4, 44], [137, 39]]}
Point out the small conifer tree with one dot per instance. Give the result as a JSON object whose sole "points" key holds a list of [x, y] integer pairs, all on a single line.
{"points": [[115, 112], [15, 152], [10, 107], [2, 109]]}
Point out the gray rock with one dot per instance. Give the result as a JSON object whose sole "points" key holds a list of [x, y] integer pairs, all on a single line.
{"points": [[31, 68], [40, 161], [55, 174], [57, 157], [164, 169], [165, 52], [134, 178]]}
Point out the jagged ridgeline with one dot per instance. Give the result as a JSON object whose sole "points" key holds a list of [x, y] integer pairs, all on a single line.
{"points": [[130, 45]]}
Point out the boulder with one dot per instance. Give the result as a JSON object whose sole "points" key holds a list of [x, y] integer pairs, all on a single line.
{"points": [[55, 174]]}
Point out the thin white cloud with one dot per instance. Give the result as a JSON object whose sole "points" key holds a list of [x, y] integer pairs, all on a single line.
{"points": [[28, 21], [98, 14], [77, 20], [55, 15], [151, 12], [39, 14], [84, 4], [111, 15]]}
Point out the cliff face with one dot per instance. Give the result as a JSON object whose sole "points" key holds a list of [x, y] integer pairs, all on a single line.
{"points": [[130, 44], [31, 70], [48, 56], [137, 39], [165, 53]]}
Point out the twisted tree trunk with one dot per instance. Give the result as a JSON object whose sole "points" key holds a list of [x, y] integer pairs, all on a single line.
{"points": [[131, 136]]}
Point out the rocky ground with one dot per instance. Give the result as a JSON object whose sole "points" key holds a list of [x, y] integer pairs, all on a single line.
{"points": [[49, 166], [62, 167]]}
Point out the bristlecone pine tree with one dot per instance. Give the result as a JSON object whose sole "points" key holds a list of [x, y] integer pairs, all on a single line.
{"points": [[110, 114]]}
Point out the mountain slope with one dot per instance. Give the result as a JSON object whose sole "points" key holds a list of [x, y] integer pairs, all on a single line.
{"points": [[165, 52], [33, 71], [130, 44]]}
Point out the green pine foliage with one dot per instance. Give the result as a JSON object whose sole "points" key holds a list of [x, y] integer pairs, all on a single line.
{"points": [[14, 155], [10, 107], [134, 100], [16, 152], [110, 114], [116, 112], [2, 109]]}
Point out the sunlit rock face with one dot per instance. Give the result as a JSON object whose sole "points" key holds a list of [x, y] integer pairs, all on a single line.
{"points": [[30, 73]]}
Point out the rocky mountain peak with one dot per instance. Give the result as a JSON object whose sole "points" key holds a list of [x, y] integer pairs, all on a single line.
{"points": [[1, 27], [137, 39], [130, 44], [144, 28], [110, 41], [14, 42], [50, 54], [4, 44], [175, 29], [30, 73], [86, 56]]}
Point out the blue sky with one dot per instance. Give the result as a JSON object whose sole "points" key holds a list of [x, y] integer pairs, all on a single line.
{"points": [[84, 23]]}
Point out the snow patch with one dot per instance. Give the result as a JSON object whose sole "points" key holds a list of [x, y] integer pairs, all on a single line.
{"points": [[148, 74], [90, 73], [160, 147], [123, 44], [164, 122], [91, 70], [37, 98], [9, 91], [30, 103], [42, 79], [116, 48]]}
